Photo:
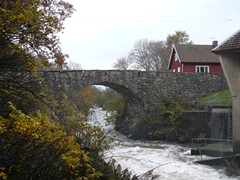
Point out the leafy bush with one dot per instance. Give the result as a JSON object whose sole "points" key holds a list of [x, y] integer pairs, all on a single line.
{"points": [[171, 111], [34, 148], [169, 125]]}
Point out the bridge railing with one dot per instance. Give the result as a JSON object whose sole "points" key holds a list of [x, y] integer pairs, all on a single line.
{"points": [[213, 147], [205, 141]]}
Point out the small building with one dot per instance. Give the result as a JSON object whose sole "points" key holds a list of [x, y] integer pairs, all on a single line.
{"points": [[194, 58], [229, 55]]}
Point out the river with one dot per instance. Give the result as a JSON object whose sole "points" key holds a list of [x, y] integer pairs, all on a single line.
{"points": [[161, 160]]}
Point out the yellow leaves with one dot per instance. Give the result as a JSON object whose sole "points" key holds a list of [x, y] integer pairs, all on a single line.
{"points": [[19, 18], [2, 128], [82, 116], [37, 128], [84, 99], [38, 140], [72, 157], [35, 136], [28, 23], [21, 130], [3, 175]]}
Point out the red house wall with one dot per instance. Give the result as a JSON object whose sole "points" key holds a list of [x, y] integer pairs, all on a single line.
{"points": [[216, 68], [175, 64], [213, 68], [189, 68]]}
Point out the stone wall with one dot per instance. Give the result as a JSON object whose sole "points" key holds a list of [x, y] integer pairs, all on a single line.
{"points": [[144, 87], [142, 91], [198, 124]]}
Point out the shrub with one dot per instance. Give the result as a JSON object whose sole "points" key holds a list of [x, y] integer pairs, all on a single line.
{"points": [[35, 148]]}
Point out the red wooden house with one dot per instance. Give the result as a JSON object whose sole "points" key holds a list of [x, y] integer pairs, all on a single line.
{"points": [[194, 58]]}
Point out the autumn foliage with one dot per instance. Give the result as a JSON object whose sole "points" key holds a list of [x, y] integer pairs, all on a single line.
{"points": [[30, 29], [35, 148], [42, 136]]}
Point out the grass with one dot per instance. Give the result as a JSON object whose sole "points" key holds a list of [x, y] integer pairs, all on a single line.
{"points": [[221, 98]]}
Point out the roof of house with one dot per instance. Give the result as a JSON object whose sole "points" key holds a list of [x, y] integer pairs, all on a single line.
{"points": [[230, 45], [195, 53]]}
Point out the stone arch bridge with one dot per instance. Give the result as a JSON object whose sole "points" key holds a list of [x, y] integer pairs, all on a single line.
{"points": [[141, 90]]}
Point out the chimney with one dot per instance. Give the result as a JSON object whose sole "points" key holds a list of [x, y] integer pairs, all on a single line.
{"points": [[214, 44]]}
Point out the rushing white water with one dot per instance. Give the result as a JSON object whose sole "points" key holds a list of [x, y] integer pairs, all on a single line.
{"points": [[165, 161]]}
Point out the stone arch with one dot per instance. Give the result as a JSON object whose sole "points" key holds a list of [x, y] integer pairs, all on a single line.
{"points": [[134, 108], [127, 94]]}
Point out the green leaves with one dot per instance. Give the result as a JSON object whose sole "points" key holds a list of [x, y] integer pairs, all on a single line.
{"points": [[32, 147], [32, 26], [179, 37], [171, 113]]}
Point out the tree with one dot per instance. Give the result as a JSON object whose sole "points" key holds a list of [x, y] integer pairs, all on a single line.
{"points": [[164, 55], [171, 112], [139, 55], [151, 55], [32, 147], [84, 99], [29, 29], [122, 64], [28, 39], [179, 37], [157, 54], [146, 55], [25, 90], [73, 66], [113, 101]]}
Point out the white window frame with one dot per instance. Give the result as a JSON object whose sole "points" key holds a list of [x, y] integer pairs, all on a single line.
{"points": [[175, 57], [202, 69], [179, 69]]}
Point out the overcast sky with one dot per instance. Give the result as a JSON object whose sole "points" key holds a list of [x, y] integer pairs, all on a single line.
{"points": [[101, 31]]}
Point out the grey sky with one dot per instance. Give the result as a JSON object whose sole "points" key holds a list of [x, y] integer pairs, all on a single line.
{"points": [[101, 31]]}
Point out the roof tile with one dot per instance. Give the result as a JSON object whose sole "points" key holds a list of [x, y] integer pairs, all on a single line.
{"points": [[230, 45], [196, 53]]}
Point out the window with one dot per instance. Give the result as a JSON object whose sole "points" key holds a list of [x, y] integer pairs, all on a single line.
{"points": [[175, 57], [202, 69], [178, 69]]}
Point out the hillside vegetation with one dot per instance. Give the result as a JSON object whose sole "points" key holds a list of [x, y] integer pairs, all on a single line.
{"points": [[221, 98]]}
